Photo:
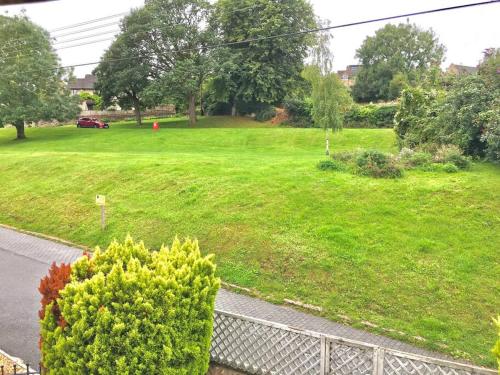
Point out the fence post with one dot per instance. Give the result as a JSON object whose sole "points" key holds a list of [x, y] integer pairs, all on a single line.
{"points": [[323, 368], [378, 361]]}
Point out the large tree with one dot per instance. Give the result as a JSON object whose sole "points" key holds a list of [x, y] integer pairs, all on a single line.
{"points": [[125, 69], [394, 50], [178, 37], [31, 79], [261, 71]]}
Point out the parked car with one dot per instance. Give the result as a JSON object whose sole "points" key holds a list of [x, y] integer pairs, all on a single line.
{"points": [[87, 122]]}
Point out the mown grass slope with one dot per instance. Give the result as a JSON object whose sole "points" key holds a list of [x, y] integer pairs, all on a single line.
{"points": [[417, 255]]}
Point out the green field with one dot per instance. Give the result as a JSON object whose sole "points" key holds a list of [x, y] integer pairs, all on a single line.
{"points": [[417, 255]]}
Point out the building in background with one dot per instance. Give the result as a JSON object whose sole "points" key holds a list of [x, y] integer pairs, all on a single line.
{"points": [[348, 76], [85, 84], [461, 69]]}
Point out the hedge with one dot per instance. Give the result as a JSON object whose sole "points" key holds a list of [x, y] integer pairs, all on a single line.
{"points": [[370, 116]]}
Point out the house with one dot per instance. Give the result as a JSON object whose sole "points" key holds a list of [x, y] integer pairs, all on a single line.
{"points": [[348, 75], [85, 84], [461, 69]]}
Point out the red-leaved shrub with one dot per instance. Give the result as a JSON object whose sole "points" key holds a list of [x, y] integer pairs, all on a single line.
{"points": [[49, 288]]}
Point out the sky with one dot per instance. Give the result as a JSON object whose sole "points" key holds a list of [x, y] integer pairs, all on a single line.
{"points": [[465, 32]]}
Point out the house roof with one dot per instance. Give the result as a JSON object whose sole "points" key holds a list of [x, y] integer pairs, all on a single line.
{"points": [[463, 68], [86, 83]]}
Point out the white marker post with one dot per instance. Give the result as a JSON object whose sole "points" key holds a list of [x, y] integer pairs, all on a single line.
{"points": [[100, 200]]}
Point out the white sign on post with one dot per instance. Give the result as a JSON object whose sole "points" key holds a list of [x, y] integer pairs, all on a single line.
{"points": [[100, 200]]}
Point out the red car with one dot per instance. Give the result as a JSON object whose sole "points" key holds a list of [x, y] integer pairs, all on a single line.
{"points": [[87, 122]]}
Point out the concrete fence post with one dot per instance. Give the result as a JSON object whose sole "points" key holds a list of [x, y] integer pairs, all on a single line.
{"points": [[324, 355], [378, 361]]}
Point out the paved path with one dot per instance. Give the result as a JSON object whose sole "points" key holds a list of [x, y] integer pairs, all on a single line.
{"points": [[24, 259]]}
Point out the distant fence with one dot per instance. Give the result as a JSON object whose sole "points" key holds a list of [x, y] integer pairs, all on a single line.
{"points": [[260, 347], [161, 111]]}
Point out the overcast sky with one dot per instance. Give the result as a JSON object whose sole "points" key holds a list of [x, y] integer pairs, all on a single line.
{"points": [[465, 33]]}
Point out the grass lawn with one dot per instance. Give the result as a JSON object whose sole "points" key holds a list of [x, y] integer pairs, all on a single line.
{"points": [[417, 255]]}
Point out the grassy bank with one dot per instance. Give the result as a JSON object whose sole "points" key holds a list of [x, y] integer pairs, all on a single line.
{"points": [[418, 255]]}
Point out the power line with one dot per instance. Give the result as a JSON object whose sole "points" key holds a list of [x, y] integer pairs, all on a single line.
{"points": [[87, 29], [13, 41], [13, 44], [84, 44], [85, 37], [72, 26], [309, 31]]}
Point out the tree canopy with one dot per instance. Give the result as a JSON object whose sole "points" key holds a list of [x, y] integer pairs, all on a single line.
{"points": [[125, 69], [178, 36], [262, 70], [31, 79], [393, 52]]}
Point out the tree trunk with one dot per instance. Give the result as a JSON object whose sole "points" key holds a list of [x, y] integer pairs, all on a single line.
{"points": [[137, 111], [233, 108], [327, 152], [202, 111], [192, 109], [19, 124]]}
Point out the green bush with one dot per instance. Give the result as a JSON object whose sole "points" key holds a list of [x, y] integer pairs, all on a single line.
{"points": [[330, 165], [370, 116], [346, 156], [128, 310], [412, 159], [450, 168], [416, 116], [94, 99], [420, 158], [491, 134], [451, 154], [377, 164], [265, 113], [299, 112]]}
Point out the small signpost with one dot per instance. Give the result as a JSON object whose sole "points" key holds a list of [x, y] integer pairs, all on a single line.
{"points": [[100, 200]]}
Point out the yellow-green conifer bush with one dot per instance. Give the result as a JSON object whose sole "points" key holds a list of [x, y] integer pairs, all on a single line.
{"points": [[132, 311]]}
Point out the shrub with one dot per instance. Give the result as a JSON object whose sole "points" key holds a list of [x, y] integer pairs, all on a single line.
{"points": [[129, 310], [416, 115], [413, 159], [330, 165], [265, 113], [420, 158], [346, 156], [370, 116], [49, 288], [491, 134], [450, 168], [378, 164], [299, 112], [451, 154]]}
